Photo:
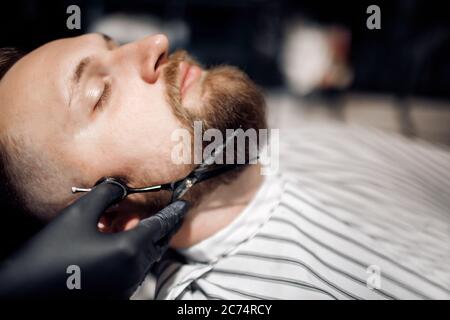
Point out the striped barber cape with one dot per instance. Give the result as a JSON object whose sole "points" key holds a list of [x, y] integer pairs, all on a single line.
{"points": [[352, 214]]}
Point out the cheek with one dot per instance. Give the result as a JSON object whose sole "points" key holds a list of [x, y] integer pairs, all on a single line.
{"points": [[146, 128], [148, 141], [133, 140]]}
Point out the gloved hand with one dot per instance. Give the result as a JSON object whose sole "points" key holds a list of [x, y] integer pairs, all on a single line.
{"points": [[111, 265]]}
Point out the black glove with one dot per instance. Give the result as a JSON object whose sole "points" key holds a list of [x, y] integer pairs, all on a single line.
{"points": [[111, 265]]}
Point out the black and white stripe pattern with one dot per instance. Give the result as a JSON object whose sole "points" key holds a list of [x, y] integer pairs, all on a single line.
{"points": [[347, 199]]}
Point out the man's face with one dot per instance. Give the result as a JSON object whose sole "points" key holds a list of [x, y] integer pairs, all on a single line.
{"points": [[100, 109]]}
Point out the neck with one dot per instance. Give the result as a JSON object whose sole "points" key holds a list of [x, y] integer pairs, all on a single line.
{"points": [[218, 208]]}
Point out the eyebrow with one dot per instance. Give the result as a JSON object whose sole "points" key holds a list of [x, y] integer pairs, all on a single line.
{"points": [[83, 63], [79, 70]]}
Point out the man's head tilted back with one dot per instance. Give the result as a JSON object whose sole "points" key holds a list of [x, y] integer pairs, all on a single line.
{"points": [[78, 109]]}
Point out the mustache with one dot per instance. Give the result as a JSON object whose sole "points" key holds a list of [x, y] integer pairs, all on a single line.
{"points": [[171, 74]]}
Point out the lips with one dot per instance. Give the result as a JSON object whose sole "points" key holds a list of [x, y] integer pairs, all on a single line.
{"points": [[189, 74]]}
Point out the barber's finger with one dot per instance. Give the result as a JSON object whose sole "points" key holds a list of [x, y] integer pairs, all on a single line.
{"points": [[162, 223], [91, 206]]}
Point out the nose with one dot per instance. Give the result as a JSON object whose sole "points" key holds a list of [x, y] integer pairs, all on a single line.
{"points": [[153, 51]]}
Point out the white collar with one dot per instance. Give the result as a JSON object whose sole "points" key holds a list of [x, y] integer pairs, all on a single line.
{"points": [[242, 228]]}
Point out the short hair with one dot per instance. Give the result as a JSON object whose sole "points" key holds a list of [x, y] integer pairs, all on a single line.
{"points": [[9, 196], [14, 214], [8, 57]]}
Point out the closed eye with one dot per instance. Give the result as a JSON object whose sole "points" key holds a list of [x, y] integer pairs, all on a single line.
{"points": [[104, 97]]}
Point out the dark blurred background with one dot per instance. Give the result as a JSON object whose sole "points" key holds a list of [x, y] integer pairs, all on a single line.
{"points": [[316, 60], [409, 55]]}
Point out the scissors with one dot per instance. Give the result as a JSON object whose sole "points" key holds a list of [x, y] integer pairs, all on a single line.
{"points": [[204, 171]]}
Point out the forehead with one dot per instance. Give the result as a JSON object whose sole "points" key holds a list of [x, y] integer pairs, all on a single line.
{"points": [[35, 90]]}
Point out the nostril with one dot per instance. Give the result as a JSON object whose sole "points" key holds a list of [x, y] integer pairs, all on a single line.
{"points": [[160, 60]]}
